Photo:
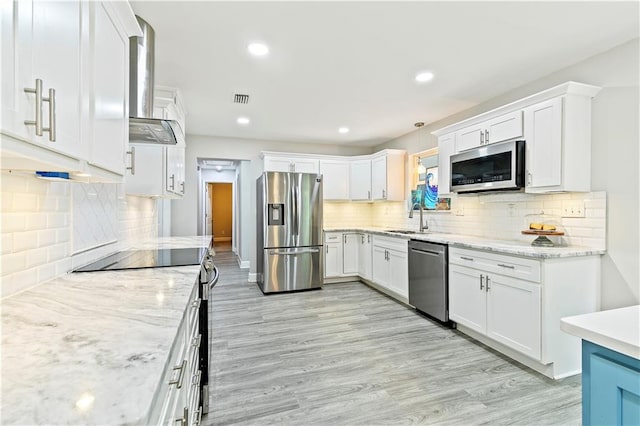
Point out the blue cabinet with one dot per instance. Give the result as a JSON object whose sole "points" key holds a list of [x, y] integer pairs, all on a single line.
{"points": [[610, 387]]}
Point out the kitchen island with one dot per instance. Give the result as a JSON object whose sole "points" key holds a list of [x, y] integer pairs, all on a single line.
{"points": [[91, 348], [610, 364]]}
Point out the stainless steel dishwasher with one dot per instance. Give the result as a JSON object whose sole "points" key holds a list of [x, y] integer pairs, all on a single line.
{"points": [[428, 279]]}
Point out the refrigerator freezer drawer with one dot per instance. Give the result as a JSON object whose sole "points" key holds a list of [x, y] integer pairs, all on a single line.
{"points": [[290, 269]]}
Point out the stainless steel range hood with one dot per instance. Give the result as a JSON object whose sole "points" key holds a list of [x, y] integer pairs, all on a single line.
{"points": [[143, 128]]}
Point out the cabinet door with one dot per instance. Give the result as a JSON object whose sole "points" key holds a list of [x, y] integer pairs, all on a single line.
{"points": [[305, 165], [505, 127], [47, 48], [172, 169], [350, 249], [333, 259], [379, 178], [513, 314], [364, 256], [614, 390], [277, 164], [109, 69], [179, 158], [148, 179], [467, 298], [446, 148], [398, 272], [469, 137], [335, 175], [380, 266], [543, 135], [360, 180]]}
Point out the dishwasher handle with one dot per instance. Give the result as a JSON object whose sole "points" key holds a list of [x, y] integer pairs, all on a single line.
{"points": [[429, 252]]}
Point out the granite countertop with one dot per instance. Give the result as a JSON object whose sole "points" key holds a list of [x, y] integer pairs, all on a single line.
{"points": [[514, 247], [91, 347], [616, 329]]}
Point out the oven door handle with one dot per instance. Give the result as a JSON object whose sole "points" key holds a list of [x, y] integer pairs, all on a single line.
{"points": [[214, 280]]}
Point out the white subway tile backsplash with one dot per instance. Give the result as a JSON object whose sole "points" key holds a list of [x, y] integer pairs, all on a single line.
{"points": [[36, 227]]}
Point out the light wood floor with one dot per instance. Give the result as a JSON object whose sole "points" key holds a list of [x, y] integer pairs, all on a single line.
{"points": [[348, 355]]}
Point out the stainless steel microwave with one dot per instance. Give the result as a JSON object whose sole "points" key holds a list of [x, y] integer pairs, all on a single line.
{"points": [[496, 167]]}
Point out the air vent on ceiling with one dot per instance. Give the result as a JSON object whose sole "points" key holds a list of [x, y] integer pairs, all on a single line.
{"points": [[240, 99]]}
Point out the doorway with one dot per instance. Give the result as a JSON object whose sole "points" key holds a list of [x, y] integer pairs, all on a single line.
{"points": [[220, 214]]}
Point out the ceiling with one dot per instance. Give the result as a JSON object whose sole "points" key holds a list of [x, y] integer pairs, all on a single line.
{"points": [[353, 64]]}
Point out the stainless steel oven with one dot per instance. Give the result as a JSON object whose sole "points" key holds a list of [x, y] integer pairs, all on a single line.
{"points": [[208, 278], [496, 167]]}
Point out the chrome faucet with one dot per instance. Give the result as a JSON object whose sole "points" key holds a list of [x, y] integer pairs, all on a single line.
{"points": [[423, 226]]}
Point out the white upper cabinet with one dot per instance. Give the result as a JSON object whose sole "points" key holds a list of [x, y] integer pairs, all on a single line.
{"points": [[558, 144], [446, 148], [502, 128], [387, 175], [68, 80], [556, 127], [360, 180], [44, 51], [108, 71], [273, 162], [335, 175]]}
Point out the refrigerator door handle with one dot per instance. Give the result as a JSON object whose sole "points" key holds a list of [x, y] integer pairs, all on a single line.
{"points": [[295, 228], [294, 252]]}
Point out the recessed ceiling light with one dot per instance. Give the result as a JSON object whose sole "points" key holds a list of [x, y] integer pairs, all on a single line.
{"points": [[243, 120], [343, 130], [258, 49], [423, 77]]}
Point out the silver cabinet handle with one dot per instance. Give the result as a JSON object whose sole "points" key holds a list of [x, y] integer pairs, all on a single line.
{"points": [[182, 186], [344, 238], [184, 420], [173, 181], [368, 195], [488, 283], [326, 249], [182, 367], [199, 416], [466, 258], [481, 137], [486, 136], [481, 282], [368, 238], [529, 178], [384, 194], [195, 342], [506, 266], [132, 154], [38, 119], [52, 115], [362, 238]]}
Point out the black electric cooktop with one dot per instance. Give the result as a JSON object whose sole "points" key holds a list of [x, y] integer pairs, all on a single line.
{"points": [[137, 259]]}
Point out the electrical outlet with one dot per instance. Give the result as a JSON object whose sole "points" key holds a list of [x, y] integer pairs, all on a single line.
{"points": [[573, 208]]}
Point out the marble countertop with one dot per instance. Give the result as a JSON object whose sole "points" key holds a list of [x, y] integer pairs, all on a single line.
{"points": [[616, 329], [514, 247], [91, 347]]}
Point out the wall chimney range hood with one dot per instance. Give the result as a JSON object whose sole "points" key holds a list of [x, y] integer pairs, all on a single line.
{"points": [[143, 128]]}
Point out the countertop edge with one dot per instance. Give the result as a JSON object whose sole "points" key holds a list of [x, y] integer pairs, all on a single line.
{"points": [[518, 248], [592, 327]]}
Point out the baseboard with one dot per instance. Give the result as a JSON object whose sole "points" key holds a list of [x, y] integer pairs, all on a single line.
{"points": [[221, 239], [242, 264], [253, 277]]}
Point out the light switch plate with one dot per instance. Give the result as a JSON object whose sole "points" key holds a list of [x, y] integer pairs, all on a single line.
{"points": [[573, 208]]}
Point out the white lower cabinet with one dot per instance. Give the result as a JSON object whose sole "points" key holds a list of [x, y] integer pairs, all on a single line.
{"points": [[364, 256], [503, 308], [391, 265], [177, 399], [350, 253], [514, 304], [332, 254]]}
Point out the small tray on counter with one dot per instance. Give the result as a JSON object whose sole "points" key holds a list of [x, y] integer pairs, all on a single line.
{"points": [[541, 232]]}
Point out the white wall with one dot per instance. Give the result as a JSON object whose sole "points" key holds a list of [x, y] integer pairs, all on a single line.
{"points": [[185, 211], [615, 157]]}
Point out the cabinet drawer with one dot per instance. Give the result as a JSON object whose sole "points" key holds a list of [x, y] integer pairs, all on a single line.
{"points": [[332, 237], [391, 243], [511, 266]]}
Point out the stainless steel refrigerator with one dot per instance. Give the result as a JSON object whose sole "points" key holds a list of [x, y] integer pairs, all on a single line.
{"points": [[289, 231]]}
